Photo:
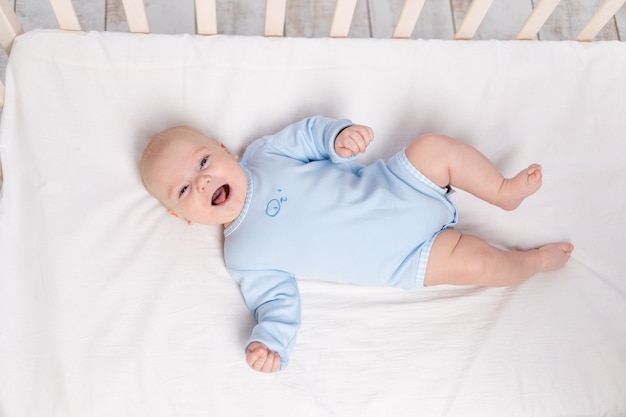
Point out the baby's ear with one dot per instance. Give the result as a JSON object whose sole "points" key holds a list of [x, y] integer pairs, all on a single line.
{"points": [[226, 149], [178, 216]]}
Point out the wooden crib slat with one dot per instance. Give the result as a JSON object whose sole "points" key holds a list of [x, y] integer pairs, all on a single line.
{"points": [[601, 17], [536, 20], [65, 14], [10, 26], [136, 16], [342, 19], [206, 17], [408, 18], [275, 11], [473, 18]]}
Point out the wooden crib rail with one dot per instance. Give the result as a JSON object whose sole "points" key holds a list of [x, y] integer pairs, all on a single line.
{"points": [[607, 10], [206, 17], [9, 28], [65, 14], [537, 18], [136, 16], [275, 13]]}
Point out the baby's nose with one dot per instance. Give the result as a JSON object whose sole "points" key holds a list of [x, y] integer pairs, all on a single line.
{"points": [[202, 182]]}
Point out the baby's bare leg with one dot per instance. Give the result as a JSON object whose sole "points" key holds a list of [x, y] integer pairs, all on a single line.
{"points": [[447, 161], [457, 259]]}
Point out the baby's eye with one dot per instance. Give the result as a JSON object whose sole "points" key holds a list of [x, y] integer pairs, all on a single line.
{"points": [[183, 191], [203, 162]]}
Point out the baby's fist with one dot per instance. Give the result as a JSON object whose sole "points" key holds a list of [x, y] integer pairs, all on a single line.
{"points": [[353, 140], [261, 359]]}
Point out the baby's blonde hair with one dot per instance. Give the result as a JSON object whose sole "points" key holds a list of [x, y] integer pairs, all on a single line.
{"points": [[158, 144]]}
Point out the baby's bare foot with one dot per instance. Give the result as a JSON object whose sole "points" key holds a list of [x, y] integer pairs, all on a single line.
{"points": [[554, 256], [514, 190]]}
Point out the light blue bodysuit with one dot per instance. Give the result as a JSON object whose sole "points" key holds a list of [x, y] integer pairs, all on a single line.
{"points": [[310, 213]]}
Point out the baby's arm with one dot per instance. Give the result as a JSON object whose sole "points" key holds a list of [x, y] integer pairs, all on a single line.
{"points": [[310, 139], [273, 298], [353, 140]]}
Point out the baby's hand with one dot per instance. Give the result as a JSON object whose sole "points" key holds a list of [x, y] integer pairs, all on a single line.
{"points": [[353, 140], [261, 359]]}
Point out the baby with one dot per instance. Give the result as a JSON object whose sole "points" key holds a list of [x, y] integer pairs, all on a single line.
{"points": [[298, 205]]}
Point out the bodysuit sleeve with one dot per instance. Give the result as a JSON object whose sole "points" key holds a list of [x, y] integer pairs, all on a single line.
{"points": [[273, 298], [311, 139]]}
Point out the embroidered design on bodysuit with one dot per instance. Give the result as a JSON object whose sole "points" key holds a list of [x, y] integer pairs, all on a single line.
{"points": [[274, 205]]}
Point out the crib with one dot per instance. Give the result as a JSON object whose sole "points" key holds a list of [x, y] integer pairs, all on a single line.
{"points": [[110, 307]]}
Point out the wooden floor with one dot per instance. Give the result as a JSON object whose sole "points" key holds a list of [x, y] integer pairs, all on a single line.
{"points": [[312, 18]]}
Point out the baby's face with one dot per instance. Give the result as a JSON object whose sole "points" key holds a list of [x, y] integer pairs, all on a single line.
{"points": [[197, 179]]}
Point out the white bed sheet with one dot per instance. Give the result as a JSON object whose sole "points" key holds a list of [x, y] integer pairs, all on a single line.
{"points": [[110, 307]]}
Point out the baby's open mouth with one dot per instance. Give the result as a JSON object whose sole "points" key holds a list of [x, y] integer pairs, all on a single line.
{"points": [[220, 195]]}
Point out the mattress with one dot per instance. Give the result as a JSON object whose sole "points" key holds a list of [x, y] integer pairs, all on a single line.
{"points": [[111, 307]]}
